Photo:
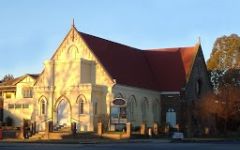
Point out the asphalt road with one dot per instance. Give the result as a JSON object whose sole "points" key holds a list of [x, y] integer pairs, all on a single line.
{"points": [[121, 146]]}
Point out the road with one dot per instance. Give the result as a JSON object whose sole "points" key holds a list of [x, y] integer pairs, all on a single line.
{"points": [[121, 146]]}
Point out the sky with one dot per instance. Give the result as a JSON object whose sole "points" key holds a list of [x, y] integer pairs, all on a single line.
{"points": [[31, 31]]}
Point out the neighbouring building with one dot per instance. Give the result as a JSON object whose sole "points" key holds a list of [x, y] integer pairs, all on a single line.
{"points": [[16, 98], [90, 79]]}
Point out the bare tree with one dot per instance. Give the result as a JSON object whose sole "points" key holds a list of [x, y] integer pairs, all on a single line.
{"points": [[7, 77]]}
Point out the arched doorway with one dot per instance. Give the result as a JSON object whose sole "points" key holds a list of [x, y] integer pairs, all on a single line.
{"points": [[63, 113]]}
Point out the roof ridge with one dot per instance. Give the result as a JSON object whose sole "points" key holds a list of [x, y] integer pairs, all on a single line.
{"points": [[168, 48], [12, 81], [197, 48], [107, 40], [33, 74]]}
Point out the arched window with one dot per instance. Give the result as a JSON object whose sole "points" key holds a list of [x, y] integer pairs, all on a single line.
{"points": [[144, 109], [129, 117], [43, 107], [73, 52], [81, 107], [198, 87], [131, 108], [95, 108], [156, 114]]}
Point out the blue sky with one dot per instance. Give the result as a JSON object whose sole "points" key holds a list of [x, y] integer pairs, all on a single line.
{"points": [[30, 31]]}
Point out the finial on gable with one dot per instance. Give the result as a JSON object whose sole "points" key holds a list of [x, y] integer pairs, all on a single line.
{"points": [[73, 25], [199, 40]]}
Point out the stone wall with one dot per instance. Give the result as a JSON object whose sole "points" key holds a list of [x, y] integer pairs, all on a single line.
{"points": [[140, 99], [199, 75], [197, 86], [183, 102]]}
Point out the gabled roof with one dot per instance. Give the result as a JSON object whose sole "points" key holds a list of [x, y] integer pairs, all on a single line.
{"points": [[14, 81], [159, 69], [34, 76], [11, 82], [125, 64], [171, 66]]}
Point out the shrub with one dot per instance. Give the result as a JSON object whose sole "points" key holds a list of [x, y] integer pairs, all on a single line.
{"points": [[9, 121]]}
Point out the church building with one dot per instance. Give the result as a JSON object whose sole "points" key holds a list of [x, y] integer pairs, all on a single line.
{"points": [[90, 79]]}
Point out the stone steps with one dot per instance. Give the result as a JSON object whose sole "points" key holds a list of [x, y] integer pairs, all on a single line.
{"points": [[37, 136]]}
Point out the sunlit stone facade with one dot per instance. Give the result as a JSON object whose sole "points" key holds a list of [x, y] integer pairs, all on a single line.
{"points": [[74, 86], [73, 77]]}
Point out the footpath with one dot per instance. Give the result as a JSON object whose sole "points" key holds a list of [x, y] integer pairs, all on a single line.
{"points": [[86, 141], [110, 141]]}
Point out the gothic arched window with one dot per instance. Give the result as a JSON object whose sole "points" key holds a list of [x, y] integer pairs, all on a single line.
{"points": [[144, 109], [131, 105], [81, 107], [95, 108], [43, 107], [198, 87]]}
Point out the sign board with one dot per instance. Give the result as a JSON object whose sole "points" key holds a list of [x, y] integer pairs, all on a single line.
{"points": [[118, 121], [119, 102], [118, 111], [123, 120]]}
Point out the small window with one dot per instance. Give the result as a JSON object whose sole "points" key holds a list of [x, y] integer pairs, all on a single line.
{"points": [[81, 107], [17, 106], [171, 117], [10, 106], [198, 87], [43, 107], [27, 92], [95, 108], [8, 95], [25, 106]]}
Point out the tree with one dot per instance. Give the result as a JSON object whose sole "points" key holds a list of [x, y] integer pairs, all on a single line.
{"points": [[9, 121], [225, 104], [225, 53], [224, 62], [7, 77], [224, 65], [220, 78]]}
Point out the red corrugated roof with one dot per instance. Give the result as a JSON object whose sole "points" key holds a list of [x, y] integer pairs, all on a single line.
{"points": [[159, 69], [171, 66]]}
